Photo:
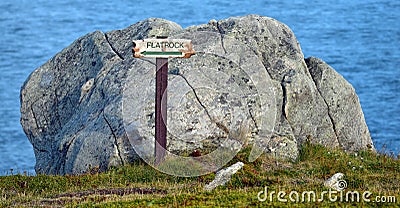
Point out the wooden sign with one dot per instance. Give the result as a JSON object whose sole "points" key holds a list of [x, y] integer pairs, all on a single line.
{"points": [[163, 48]]}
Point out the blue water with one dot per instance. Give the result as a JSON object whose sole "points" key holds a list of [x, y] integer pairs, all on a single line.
{"points": [[360, 39]]}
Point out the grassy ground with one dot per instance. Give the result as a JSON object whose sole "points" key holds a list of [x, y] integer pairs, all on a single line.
{"points": [[139, 185]]}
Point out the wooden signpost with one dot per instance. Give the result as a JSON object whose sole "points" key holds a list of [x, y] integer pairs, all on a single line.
{"points": [[162, 49]]}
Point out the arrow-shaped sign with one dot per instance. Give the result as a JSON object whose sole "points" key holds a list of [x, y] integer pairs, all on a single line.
{"points": [[163, 48]]}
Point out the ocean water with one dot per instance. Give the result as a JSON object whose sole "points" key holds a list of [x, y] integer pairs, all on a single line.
{"points": [[360, 39]]}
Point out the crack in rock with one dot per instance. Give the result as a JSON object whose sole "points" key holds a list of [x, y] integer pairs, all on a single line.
{"points": [[115, 138], [330, 118], [329, 110], [112, 48], [34, 117], [221, 32], [284, 97], [64, 153], [253, 119], [218, 124]]}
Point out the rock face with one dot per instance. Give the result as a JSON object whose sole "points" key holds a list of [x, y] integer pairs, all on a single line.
{"points": [[344, 108], [80, 108]]}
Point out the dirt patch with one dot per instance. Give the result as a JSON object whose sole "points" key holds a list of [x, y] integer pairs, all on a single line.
{"points": [[113, 191], [101, 195]]}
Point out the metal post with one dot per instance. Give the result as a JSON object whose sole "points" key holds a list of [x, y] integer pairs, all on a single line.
{"points": [[161, 109]]}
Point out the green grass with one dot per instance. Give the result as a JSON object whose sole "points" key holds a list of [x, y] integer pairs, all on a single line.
{"points": [[364, 171]]}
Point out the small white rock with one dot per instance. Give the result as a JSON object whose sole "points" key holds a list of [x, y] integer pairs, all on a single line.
{"points": [[223, 176], [335, 182]]}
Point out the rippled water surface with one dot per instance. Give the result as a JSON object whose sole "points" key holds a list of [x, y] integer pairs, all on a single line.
{"points": [[360, 39]]}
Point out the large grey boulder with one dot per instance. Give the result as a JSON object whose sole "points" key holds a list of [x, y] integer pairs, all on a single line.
{"points": [[86, 106]]}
